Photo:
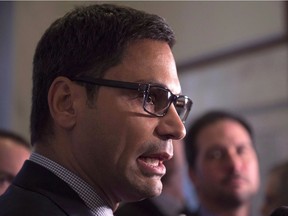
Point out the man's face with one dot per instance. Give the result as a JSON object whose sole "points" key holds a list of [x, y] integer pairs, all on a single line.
{"points": [[12, 157], [122, 146], [226, 166]]}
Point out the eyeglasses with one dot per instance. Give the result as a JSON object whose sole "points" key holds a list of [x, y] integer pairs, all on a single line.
{"points": [[156, 99]]}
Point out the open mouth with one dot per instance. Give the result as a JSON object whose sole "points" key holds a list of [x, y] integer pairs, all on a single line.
{"points": [[152, 165], [153, 162]]}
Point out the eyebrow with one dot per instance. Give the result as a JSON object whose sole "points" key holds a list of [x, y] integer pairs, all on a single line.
{"points": [[154, 82]]}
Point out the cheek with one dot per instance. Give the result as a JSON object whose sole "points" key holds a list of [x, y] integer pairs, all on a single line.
{"points": [[215, 174], [254, 171], [205, 166], [119, 130], [209, 171], [253, 168], [129, 137]]}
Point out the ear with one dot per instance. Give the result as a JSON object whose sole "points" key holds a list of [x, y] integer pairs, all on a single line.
{"points": [[61, 102]]}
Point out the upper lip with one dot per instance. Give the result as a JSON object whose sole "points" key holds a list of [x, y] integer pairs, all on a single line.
{"points": [[159, 150], [161, 156]]}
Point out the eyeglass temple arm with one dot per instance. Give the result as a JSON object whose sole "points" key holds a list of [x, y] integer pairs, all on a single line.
{"points": [[113, 83]]}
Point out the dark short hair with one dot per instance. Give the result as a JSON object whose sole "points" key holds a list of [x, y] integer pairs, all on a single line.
{"points": [[202, 122], [86, 41], [7, 134]]}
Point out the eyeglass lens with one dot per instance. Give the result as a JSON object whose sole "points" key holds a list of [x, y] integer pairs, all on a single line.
{"points": [[158, 100], [183, 106]]}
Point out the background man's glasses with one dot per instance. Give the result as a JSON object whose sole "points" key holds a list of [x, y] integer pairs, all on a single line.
{"points": [[156, 98]]}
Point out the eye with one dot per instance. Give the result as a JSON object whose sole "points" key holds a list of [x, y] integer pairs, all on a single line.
{"points": [[215, 154], [151, 98], [241, 150]]}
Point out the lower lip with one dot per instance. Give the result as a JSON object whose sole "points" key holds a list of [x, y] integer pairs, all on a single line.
{"points": [[149, 170]]}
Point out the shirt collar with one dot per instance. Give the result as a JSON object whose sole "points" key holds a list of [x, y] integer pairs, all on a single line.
{"points": [[86, 192]]}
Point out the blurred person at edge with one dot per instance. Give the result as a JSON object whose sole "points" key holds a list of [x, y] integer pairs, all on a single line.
{"points": [[276, 190], [223, 164], [106, 105], [172, 200], [14, 150]]}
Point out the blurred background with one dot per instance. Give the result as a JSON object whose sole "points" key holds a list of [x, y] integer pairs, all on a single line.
{"points": [[230, 55]]}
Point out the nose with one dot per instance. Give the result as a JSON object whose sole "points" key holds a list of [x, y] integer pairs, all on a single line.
{"points": [[171, 126], [234, 161]]}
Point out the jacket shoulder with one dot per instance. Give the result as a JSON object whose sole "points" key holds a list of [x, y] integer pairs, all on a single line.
{"points": [[18, 201]]}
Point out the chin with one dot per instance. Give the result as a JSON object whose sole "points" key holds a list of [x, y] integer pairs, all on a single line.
{"points": [[142, 194], [140, 187], [150, 189]]}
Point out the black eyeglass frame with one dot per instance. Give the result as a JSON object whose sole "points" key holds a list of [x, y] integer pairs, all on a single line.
{"points": [[141, 87]]}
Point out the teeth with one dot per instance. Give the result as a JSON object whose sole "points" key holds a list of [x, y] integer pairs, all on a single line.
{"points": [[152, 161]]}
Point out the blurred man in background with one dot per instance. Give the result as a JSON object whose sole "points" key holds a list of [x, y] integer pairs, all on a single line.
{"points": [[223, 164], [14, 150], [276, 190]]}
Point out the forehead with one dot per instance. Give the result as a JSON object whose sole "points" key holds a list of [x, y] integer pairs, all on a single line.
{"points": [[10, 146], [225, 133], [12, 153], [147, 61]]}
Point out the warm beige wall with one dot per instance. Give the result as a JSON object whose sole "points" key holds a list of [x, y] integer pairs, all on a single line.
{"points": [[205, 26]]}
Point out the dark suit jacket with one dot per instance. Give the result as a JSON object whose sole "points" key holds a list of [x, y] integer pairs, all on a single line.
{"points": [[38, 192], [144, 208], [281, 211]]}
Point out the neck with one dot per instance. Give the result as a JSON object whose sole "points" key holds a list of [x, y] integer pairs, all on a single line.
{"points": [[56, 154], [218, 209]]}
